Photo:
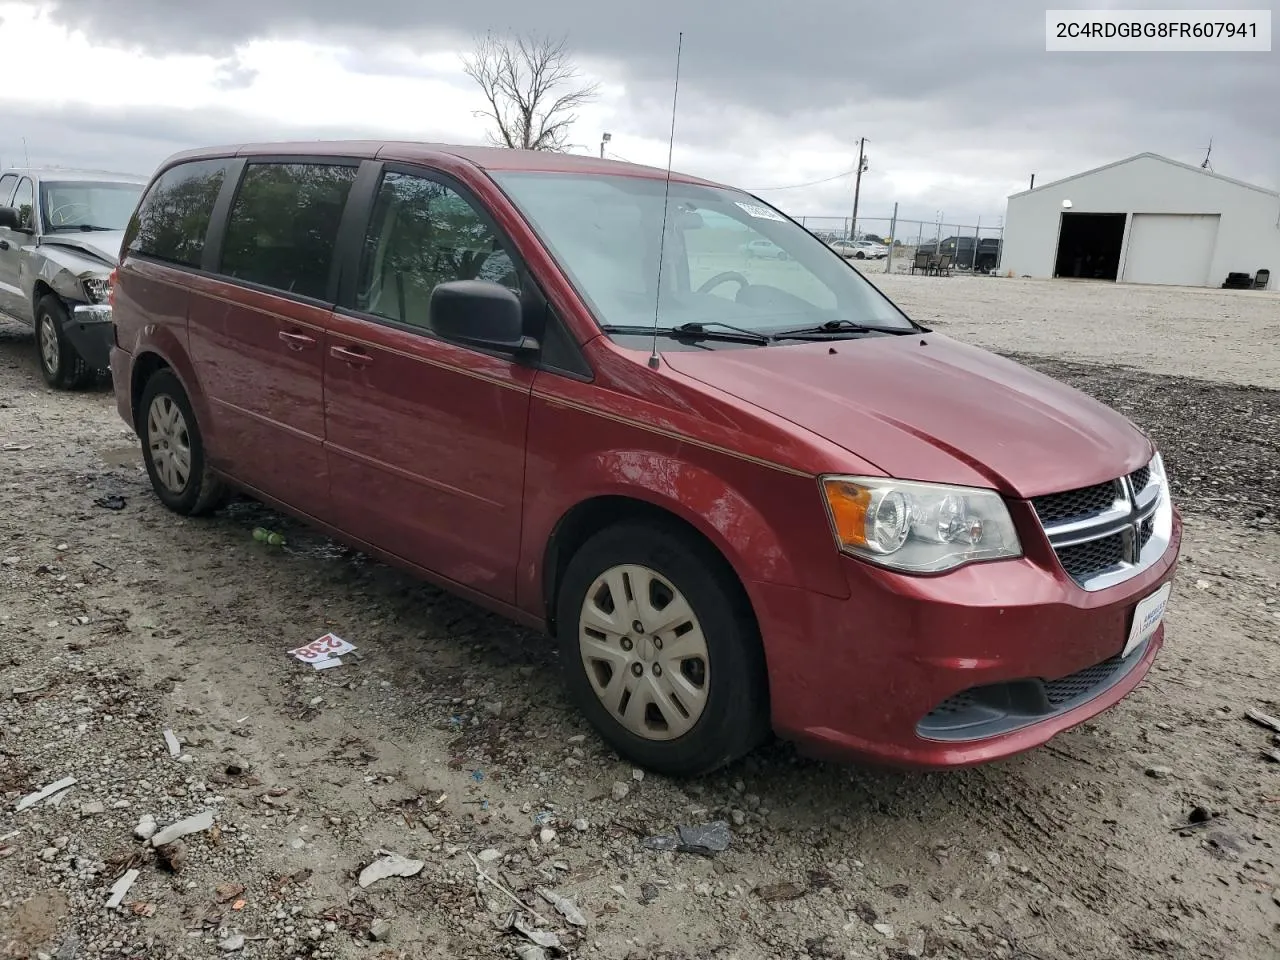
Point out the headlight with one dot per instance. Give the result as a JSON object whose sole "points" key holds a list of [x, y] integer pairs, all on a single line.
{"points": [[97, 289], [918, 527]]}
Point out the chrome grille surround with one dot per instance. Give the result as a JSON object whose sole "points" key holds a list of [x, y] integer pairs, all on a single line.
{"points": [[1111, 542]]}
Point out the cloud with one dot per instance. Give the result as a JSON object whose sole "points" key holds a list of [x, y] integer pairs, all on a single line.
{"points": [[959, 102]]}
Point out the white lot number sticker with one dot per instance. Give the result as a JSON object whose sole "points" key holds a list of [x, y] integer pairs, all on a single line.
{"points": [[759, 212], [1146, 619], [329, 646]]}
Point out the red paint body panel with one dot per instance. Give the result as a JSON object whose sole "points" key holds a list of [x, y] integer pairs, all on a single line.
{"points": [[931, 408], [426, 445], [260, 359], [901, 645], [460, 466]]}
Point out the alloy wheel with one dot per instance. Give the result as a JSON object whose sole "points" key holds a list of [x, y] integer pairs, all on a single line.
{"points": [[50, 349]]}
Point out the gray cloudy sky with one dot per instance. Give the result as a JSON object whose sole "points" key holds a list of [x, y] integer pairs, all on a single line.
{"points": [[959, 101]]}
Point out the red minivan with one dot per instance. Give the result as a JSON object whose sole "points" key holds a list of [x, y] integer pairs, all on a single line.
{"points": [[743, 493]]}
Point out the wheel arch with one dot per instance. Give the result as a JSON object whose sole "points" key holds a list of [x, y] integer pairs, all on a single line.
{"points": [[597, 513], [145, 366]]}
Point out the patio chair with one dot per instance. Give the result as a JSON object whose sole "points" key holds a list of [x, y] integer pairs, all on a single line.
{"points": [[943, 267], [1262, 279], [921, 262]]}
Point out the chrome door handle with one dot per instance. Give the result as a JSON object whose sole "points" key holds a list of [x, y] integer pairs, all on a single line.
{"points": [[353, 357], [296, 341]]}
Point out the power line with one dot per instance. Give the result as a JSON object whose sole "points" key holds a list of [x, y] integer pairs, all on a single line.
{"points": [[798, 186]]}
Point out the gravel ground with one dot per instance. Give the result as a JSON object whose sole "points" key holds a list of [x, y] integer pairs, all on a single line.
{"points": [[1227, 336], [445, 739]]}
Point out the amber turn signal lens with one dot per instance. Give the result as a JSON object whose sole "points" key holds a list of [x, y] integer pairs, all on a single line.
{"points": [[849, 505]]}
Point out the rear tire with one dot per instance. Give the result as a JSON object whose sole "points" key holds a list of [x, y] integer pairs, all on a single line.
{"points": [[680, 685], [173, 448], [60, 365]]}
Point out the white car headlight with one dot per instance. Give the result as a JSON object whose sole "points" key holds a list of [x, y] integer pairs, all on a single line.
{"points": [[918, 527]]}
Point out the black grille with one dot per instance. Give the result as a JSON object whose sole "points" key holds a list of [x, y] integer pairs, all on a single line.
{"points": [[1140, 478], [1085, 559], [1080, 684], [1075, 504], [1146, 530], [999, 708]]}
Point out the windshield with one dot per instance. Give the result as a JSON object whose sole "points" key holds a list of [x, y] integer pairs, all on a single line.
{"points": [[87, 204], [727, 258]]}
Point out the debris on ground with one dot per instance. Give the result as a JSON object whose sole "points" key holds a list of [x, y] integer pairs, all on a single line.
{"points": [[45, 793], [171, 741], [542, 938], [146, 828], [120, 888], [706, 840], [380, 930], [564, 906], [197, 823], [112, 502], [232, 944], [787, 890], [1262, 719], [619, 791], [389, 865]]}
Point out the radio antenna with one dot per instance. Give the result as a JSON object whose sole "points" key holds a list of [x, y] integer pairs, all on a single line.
{"points": [[666, 195]]}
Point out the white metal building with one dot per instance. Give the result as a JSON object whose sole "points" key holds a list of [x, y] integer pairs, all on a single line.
{"points": [[1147, 219]]}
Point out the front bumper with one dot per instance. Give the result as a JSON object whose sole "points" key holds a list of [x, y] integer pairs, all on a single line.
{"points": [[91, 332], [935, 672]]}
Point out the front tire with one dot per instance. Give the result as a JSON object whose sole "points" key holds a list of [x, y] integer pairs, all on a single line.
{"points": [[173, 448], [60, 365], [660, 650]]}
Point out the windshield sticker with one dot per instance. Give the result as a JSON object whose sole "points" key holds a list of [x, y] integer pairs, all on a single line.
{"points": [[759, 212]]}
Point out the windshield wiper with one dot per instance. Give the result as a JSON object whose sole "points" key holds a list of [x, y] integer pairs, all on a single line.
{"points": [[700, 329], [836, 328], [692, 331], [82, 227]]}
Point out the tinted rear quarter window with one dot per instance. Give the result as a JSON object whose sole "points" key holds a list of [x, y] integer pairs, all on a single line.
{"points": [[284, 225], [173, 218]]}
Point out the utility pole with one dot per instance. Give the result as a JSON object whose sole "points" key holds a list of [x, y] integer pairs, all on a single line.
{"points": [[857, 188], [604, 138], [893, 232]]}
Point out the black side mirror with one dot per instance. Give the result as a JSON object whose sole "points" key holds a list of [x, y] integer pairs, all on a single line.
{"points": [[9, 218], [480, 313]]}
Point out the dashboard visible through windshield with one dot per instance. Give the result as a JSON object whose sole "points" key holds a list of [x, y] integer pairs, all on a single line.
{"points": [[87, 204], [726, 259]]}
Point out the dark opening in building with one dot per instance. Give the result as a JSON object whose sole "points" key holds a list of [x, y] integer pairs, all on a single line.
{"points": [[1089, 245]]}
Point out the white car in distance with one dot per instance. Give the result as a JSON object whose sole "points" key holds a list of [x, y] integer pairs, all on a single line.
{"points": [[860, 249]]}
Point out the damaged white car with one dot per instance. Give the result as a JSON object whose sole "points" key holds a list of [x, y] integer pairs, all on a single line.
{"points": [[60, 234]]}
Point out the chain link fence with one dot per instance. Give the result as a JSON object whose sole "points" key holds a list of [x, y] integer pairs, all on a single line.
{"points": [[972, 247]]}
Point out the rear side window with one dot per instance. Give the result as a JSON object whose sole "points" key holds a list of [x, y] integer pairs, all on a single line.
{"points": [[171, 222], [6, 188], [284, 225]]}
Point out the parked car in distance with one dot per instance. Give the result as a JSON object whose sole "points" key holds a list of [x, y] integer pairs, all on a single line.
{"points": [[741, 495], [860, 249], [60, 232], [765, 249]]}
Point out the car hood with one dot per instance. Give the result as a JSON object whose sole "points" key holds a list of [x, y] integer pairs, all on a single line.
{"points": [[926, 407], [101, 245]]}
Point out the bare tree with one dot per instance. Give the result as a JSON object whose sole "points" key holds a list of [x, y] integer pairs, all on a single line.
{"points": [[532, 87]]}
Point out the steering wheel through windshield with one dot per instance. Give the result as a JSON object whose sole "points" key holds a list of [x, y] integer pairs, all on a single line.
{"points": [[726, 277], [61, 217]]}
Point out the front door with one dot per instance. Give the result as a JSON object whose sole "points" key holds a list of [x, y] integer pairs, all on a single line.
{"points": [[12, 242], [257, 332], [426, 438]]}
